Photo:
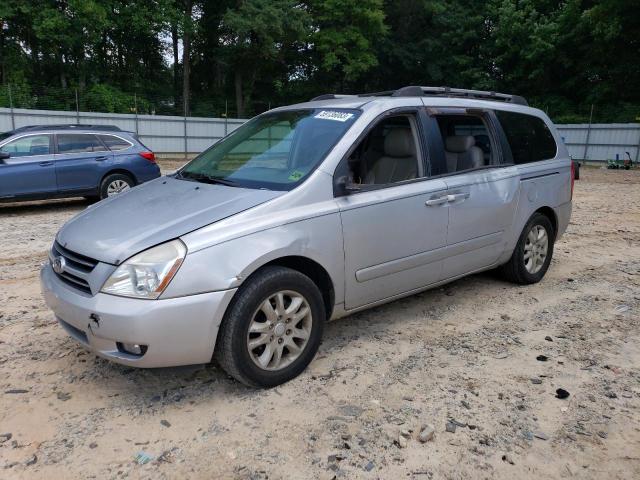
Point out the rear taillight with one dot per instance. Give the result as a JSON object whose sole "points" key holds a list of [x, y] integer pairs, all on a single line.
{"points": [[573, 176], [149, 156]]}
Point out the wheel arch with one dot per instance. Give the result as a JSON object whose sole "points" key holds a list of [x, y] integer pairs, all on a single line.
{"points": [[551, 215], [122, 171], [312, 269]]}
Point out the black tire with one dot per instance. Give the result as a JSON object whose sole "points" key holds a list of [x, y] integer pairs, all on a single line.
{"points": [[514, 270], [232, 352], [576, 172], [112, 178]]}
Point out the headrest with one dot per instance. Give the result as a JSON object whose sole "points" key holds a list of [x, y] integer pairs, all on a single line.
{"points": [[459, 143], [399, 143]]}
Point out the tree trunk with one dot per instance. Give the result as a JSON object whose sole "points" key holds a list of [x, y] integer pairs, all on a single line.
{"points": [[186, 54], [3, 71], [239, 96], [63, 77], [176, 66]]}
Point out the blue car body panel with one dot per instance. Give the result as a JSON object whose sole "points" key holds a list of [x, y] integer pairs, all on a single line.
{"points": [[45, 172]]}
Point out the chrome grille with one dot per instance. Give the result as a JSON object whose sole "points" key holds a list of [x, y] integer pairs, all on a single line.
{"points": [[77, 267]]}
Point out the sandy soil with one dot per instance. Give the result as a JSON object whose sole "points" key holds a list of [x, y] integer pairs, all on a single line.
{"points": [[462, 356]]}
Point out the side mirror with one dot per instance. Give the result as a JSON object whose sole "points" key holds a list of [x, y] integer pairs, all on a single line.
{"points": [[344, 187], [4, 156]]}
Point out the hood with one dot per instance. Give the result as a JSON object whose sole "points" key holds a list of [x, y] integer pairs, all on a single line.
{"points": [[117, 228]]}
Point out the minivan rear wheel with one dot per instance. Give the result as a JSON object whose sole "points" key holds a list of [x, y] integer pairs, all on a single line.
{"points": [[531, 258], [114, 184], [272, 329]]}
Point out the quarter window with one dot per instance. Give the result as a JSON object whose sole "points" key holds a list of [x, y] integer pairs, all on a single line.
{"points": [[78, 143], [528, 136], [114, 143], [27, 146]]}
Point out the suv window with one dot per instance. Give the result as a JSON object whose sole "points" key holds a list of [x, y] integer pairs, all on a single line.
{"points": [[388, 154], [79, 143], [29, 145], [528, 136], [114, 143], [467, 142]]}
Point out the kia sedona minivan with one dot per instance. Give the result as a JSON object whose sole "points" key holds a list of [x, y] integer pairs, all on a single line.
{"points": [[305, 214]]}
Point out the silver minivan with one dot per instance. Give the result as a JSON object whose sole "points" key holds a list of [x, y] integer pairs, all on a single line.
{"points": [[305, 214]]}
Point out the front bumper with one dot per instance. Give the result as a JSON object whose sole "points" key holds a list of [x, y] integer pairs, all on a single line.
{"points": [[176, 331]]}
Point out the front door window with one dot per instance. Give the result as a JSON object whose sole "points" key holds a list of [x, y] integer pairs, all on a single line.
{"points": [[388, 154], [28, 146]]}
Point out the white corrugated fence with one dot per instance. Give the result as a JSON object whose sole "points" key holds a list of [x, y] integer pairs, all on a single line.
{"points": [[167, 135], [601, 141], [177, 136]]}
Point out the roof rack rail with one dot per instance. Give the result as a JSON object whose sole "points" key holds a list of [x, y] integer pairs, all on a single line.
{"points": [[416, 91], [464, 93], [330, 96], [68, 126]]}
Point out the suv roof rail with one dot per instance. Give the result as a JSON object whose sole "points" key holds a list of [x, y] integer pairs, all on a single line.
{"points": [[416, 91], [331, 96], [465, 93], [68, 126]]}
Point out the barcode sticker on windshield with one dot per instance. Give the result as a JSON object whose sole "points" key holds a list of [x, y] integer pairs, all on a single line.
{"points": [[337, 116]]}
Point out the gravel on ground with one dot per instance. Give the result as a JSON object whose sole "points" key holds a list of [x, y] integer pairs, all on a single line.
{"points": [[442, 385]]}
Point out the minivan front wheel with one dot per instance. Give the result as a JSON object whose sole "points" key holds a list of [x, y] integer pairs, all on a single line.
{"points": [[114, 184], [272, 328], [531, 258]]}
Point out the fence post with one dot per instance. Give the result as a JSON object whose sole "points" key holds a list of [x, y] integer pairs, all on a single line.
{"points": [[135, 106], [226, 118], [186, 157], [13, 119], [586, 142], [638, 147], [77, 108]]}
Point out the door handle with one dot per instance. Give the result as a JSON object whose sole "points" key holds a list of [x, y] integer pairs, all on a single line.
{"points": [[101, 159], [432, 202], [457, 196], [46, 164]]}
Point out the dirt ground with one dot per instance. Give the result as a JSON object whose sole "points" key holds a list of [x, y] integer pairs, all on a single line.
{"points": [[457, 358]]}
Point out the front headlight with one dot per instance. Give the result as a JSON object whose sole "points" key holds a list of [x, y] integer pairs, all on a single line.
{"points": [[148, 273]]}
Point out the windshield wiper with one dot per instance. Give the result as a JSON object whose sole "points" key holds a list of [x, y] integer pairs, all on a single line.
{"points": [[204, 178]]}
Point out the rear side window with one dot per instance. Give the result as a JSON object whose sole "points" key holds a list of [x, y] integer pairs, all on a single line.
{"points": [[78, 143], [528, 136], [467, 143], [114, 143]]}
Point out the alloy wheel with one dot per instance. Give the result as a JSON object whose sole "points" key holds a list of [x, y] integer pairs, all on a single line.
{"points": [[279, 330], [116, 187], [535, 249]]}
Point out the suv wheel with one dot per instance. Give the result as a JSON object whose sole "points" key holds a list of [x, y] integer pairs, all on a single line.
{"points": [[272, 328], [114, 184], [531, 258]]}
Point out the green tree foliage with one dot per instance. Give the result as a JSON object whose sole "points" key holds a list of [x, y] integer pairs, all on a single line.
{"points": [[209, 57], [343, 37], [259, 32], [431, 42], [57, 47]]}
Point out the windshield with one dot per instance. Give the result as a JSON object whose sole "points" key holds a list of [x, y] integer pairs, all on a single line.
{"points": [[276, 151]]}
